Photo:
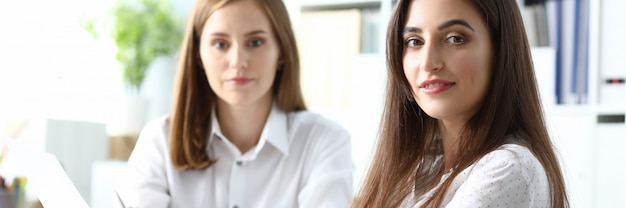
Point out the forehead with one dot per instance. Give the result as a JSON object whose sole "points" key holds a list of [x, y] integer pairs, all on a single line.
{"points": [[425, 13], [238, 15]]}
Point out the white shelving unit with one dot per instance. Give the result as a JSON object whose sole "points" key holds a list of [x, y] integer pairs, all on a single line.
{"points": [[609, 127], [591, 138]]}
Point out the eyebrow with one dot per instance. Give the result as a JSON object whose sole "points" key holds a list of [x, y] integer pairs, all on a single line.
{"points": [[441, 26], [254, 32]]}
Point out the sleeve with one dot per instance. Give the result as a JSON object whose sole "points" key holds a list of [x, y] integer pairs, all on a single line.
{"points": [[147, 181], [330, 181], [502, 179]]}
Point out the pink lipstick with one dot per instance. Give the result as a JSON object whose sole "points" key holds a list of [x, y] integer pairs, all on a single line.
{"points": [[435, 86]]}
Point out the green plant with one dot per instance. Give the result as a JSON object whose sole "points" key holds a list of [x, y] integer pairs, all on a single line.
{"points": [[142, 30]]}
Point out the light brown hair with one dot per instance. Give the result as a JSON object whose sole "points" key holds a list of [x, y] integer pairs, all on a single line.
{"points": [[407, 148], [194, 100]]}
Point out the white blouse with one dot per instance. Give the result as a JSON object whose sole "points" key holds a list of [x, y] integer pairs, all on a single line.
{"points": [[301, 160], [510, 176]]}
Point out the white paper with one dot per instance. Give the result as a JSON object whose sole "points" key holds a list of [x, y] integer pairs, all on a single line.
{"points": [[46, 176]]}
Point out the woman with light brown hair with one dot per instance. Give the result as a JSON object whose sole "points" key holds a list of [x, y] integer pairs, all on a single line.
{"points": [[239, 134], [463, 124]]}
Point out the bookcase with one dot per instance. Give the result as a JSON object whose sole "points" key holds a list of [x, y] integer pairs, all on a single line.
{"points": [[608, 102], [588, 133], [591, 136]]}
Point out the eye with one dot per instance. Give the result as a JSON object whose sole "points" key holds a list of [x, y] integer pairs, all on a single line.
{"points": [[410, 43], [256, 43], [220, 44], [455, 40]]}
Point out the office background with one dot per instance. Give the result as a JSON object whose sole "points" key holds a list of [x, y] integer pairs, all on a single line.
{"points": [[62, 89]]}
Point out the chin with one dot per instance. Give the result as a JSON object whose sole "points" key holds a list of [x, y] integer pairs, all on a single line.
{"points": [[236, 100], [437, 113]]}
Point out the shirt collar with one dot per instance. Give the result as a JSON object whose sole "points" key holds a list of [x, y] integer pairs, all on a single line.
{"points": [[274, 132]]}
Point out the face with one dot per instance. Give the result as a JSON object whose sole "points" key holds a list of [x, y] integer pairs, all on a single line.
{"points": [[447, 58], [240, 53]]}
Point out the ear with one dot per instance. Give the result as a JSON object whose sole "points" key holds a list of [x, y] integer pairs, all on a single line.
{"points": [[281, 59], [280, 64]]}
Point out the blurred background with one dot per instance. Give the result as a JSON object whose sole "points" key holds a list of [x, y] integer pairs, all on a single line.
{"points": [[76, 84]]}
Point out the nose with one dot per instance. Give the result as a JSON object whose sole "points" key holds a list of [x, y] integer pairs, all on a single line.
{"points": [[238, 57], [431, 58]]}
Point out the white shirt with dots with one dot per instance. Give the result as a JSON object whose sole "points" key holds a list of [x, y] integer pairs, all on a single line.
{"points": [[510, 176]]}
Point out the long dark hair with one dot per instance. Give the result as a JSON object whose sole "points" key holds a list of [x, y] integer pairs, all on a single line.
{"points": [[194, 100], [511, 107]]}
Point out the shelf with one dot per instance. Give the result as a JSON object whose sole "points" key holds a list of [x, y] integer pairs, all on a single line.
{"points": [[568, 109], [308, 5], [610, 110]]}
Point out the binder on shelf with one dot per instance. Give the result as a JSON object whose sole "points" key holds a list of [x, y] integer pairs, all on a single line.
{"points": [[578, 83], [536, 23], [567, 52], [567, 24]]}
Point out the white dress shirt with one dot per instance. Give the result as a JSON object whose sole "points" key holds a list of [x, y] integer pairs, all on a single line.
{"points": [[510, 176], [301, 160]]}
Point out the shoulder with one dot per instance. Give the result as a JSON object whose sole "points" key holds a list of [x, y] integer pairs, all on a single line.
{"points": [[323, 145], [513, 169], [155, 131], [510, 157], [511, 162], [151, 148], [156, 124], [314, 132], [510, 175], [315, 125]]}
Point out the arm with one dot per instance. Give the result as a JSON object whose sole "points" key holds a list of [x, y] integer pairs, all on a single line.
{"points": [[147, 182], [330, 180]]}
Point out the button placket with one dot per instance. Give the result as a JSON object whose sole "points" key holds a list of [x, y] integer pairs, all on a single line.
{"points": [[237, 178]]}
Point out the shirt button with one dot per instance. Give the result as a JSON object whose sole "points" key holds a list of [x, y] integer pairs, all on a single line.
{"points": [[238, 164]]}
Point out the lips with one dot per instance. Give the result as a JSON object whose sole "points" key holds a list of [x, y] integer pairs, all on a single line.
{"points": [[435, 86], [240, 80]]}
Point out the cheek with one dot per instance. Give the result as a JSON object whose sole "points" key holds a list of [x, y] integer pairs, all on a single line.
{"points": [[212, 67], [483, 73], [265, 63], [474, 66], [476, 70]]}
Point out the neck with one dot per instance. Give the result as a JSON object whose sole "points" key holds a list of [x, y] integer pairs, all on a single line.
{"points": [[450, 140], [243, 125]]}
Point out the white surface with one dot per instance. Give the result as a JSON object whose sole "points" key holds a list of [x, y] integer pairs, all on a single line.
{"points": [[611, 165], [545, 71], [611, 52]]}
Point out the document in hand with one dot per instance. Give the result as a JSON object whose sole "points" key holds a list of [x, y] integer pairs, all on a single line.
{"points": [[46, 177]]}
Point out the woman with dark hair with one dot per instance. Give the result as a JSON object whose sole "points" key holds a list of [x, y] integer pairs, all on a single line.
{"points": [[239, 134], [463, 124]]}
